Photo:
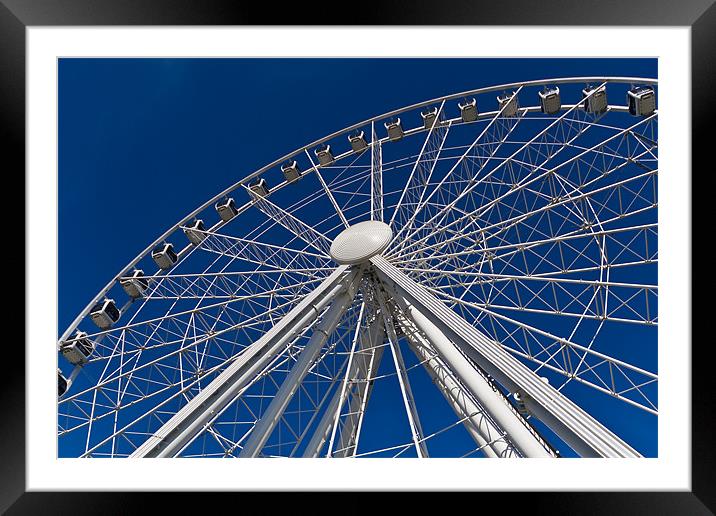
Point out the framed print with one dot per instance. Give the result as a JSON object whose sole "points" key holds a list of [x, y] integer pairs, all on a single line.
{"points": [[413, 247]]}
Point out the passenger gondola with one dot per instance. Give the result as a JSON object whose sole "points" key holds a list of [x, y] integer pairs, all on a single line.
{"points": [[550, 100], [62, 383], [290, 171], [104, 314], [429, 115], [509, 104], [324, 155], [357, 141], [134, 284], [226, 209], [597, 102], [642, 101], [395, 130], [164, 255], [259, 187], [78, 349], [468, 110], [195, 232]]}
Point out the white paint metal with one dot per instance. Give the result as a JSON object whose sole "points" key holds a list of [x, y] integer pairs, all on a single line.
{"points": [[411, 409], [352, 426], [361, 241]]}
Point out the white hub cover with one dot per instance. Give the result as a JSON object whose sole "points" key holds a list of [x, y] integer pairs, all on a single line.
{"points": [[361, 241]]}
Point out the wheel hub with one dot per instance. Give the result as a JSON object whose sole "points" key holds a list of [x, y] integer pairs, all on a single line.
{"points": [[360, 242]]}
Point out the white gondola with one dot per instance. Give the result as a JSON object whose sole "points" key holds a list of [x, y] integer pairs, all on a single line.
{"points": [[550, 100], [226, 209], [104, 314], [324, 155], [290, 170], [597, 103], [259, 187], [135, 284], [61, 383], [642, 101], [357, 140], [395, 130], [195, 232], [509, 104], [164, 255], [468, 110], [429, 116], [78, 349]]}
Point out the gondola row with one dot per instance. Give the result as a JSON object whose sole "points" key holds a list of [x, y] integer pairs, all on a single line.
{"points": [[641, 101]]}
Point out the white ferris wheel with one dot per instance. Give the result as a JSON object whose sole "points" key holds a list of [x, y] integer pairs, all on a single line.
{"points": [[474, 275]]}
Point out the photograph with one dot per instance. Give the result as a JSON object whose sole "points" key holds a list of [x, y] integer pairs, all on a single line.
{"points": [[413, 240], [357, 257]]}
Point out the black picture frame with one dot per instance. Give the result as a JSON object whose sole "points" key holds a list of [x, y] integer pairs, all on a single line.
{"points": [[700, 15]]}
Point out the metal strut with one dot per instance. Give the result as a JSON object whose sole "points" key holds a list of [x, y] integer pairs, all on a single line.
{"points": [[411, 409], [376, 176], [353, 423]]}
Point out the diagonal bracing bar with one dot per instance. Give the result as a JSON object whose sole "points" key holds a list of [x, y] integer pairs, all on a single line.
{"points": [[584, 434], [296, 226], [354, 393], [184, 426], [320, 433]]}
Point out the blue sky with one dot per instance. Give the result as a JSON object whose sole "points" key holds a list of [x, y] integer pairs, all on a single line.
{"points": [[144, 141]]}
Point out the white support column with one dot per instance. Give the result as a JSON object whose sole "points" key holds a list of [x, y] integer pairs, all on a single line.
{"points": [[183, 427], [265, 426], [584, 434], [517, 430], [477, 422]]}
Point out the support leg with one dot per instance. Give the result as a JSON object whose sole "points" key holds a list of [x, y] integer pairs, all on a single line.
{"points": [[262, 431], [518, 431]]}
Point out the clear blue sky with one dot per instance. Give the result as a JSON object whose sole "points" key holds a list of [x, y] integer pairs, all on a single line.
{"points": [[144, 141]]}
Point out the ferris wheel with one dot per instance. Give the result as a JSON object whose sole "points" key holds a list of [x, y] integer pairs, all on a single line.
{"points": [[470, 276]]}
